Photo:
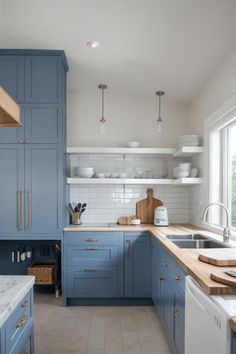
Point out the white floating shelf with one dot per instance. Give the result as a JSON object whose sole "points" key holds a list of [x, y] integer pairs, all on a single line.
{"points": [[181, 181], [186, 151], [123, 151]]}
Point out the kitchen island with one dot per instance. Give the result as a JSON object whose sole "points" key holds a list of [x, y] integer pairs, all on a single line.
{"points": [[16, 314]]}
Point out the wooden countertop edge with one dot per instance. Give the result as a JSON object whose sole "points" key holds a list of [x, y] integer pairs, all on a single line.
{"points": [[187, 258], [233, 323]]}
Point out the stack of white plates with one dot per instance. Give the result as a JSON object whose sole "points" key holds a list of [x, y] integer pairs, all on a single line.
{"points": [[84, 172], [188, 140]]}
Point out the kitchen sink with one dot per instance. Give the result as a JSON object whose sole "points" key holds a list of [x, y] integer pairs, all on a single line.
{"points": [[187, 237], [188, 243]]}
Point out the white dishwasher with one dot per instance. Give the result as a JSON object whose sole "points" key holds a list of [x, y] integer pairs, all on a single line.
{"points": [[207, 327]]}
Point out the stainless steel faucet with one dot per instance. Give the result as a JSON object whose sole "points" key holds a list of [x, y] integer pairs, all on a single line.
{"points": [[226, 230]]}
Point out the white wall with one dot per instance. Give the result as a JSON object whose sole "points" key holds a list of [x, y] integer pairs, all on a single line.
{"points": [[129, 118], [218, 90]]}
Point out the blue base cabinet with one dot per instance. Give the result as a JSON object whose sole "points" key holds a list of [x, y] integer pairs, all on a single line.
{"points": [[93, 265], [168, 293], [137, 261], [32, 179], [17, 333]]}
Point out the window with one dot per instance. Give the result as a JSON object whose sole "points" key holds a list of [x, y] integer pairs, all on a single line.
{"points": [[222, 171]]}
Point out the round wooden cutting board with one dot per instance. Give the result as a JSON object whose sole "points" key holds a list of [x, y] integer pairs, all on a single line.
{"points": [[221, 277]]}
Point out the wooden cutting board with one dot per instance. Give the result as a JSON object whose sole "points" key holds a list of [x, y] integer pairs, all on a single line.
{"points": [[220, 257], [224, 278], [145, 208]]}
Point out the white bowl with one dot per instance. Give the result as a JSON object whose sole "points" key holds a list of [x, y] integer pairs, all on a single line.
{"points": [[84, 171], [133, 144], [182, 174], [184, 166], [100, 175]]}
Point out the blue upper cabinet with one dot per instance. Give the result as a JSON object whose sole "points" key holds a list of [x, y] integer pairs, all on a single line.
{"points": [[43, 123], [12, 75], [42, 79]]}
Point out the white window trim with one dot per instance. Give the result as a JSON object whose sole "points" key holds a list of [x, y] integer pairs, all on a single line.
{"points": [[223, 116]]}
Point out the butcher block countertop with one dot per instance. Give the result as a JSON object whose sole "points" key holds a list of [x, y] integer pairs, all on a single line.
{"points": [[187, 258]]}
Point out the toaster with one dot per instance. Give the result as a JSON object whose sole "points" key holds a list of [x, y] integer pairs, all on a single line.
{"points": [[161, 216]]}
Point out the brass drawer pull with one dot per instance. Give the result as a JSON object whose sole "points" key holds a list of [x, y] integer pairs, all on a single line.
{"points": [[25, 303], [165, 264], [22, 321], [162, 278], [91, 248], [90, 269], [91, 240], [25, 351], [177, 313], [177, 277]]}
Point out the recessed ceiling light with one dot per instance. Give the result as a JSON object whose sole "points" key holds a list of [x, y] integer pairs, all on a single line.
{"points": [[93, 44]]}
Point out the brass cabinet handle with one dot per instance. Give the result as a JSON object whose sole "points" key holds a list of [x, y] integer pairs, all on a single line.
{"points": [[177, 277], [25, 303], [90, 269], [162, 277], [91, 248], [19, 210], [28, 210], [22, 321], [91, 239], [25, 351], [27, 142], [129, 249], [165, 264], [177, 312], [21, 142]]}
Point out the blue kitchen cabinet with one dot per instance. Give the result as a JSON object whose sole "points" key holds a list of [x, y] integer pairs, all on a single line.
{"points": [[17, 333], [93, 265], [137, 261], [169, 295], [43, 79], [12, 75], [11, 188], [37, 79], [43, 189]]}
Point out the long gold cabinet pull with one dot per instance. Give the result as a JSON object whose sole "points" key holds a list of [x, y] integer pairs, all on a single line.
{"points": [[19, 210], [129, 249], [91, 239], [177, 277], [91, 248], [28, 210], [22, 321]]}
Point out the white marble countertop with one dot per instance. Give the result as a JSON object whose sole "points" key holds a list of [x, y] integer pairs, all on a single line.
{"points": [[13, 289]]}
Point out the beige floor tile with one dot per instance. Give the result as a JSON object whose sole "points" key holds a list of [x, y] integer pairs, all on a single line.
{"points": [[96, 330]]}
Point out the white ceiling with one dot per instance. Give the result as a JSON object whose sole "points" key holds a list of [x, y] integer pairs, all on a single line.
{"points": [[146, 45]]}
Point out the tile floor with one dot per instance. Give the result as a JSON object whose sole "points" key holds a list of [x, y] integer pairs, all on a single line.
{"points": [[96, 330]]}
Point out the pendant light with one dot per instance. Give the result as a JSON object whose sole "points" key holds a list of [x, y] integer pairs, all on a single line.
{"points": [[159, 119], [103, 123]]}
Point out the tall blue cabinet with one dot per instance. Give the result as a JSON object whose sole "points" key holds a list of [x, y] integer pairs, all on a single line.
{"points": [[33, 157]]}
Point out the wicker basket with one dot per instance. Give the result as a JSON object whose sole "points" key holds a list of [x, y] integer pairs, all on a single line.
{"points": [[43, 270]]}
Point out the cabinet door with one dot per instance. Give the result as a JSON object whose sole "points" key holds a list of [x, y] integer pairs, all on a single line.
{"points": [[178, 331], [42, 79], [137, 266], [168, 304], [11, 188], [12, 75], [43, 123], [155, 271], [43, 188]]}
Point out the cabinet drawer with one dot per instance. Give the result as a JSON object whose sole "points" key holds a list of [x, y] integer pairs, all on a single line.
{"points": [[91, 255], [25, 344], [17, 323], [92, 281], [93, 238]]}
